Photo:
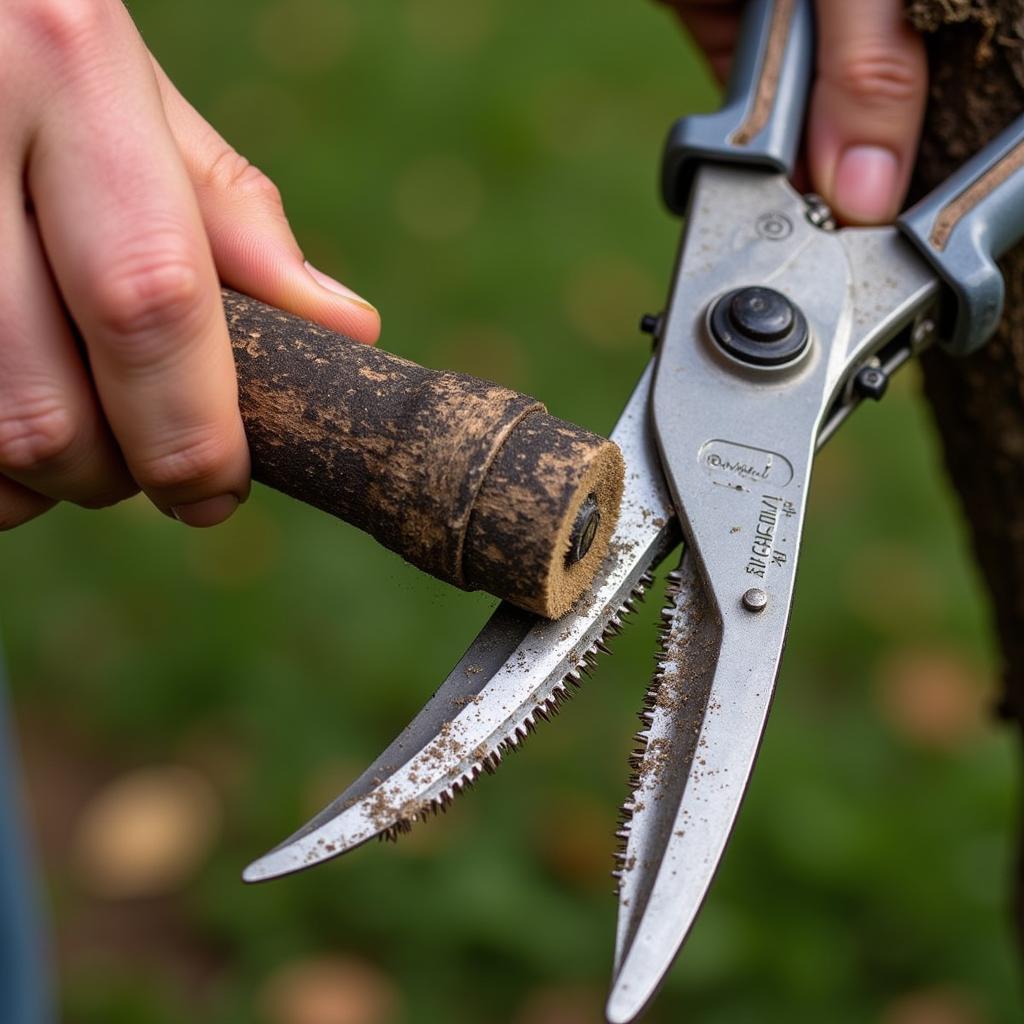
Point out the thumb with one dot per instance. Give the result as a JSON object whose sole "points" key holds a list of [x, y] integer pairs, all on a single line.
{"points": [[253, 245], [866, 110]]}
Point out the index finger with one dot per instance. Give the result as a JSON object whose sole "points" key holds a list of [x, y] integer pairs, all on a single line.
{"points": [[123, 233]]}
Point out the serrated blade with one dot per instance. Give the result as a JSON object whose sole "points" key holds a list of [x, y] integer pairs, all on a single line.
{"points": [[518, 669], [705, 716]]}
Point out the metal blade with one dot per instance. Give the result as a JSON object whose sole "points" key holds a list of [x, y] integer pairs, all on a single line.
{"points": [[515, 672], [706, 713], [738, 440]]}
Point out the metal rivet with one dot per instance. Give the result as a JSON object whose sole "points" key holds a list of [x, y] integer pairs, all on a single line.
{"points": [[584, 530], [650, 323], [871, 382], [755, 600], [818, 212]]}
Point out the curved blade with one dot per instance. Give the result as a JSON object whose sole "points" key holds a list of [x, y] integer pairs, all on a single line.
{"points": [[515, 671], [705, 715]]}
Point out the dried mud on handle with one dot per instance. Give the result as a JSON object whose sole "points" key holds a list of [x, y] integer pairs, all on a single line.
{"points": [[469, 481]]}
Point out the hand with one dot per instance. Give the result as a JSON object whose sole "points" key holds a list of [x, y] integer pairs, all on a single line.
{"points": [[868, 100], [121, 209]]}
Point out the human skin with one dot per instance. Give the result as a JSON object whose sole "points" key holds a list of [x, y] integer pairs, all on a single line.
{"points": [[122, 210], [867, 102], [121, 207]]}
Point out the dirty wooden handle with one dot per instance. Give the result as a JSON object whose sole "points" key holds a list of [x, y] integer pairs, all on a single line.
{"points": [[475, 484]]}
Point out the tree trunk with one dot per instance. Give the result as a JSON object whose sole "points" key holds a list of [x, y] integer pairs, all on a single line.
{"points": [[976, 55]]}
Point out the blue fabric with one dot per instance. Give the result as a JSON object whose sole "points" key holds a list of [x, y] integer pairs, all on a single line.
{"points": [[24, 972]]}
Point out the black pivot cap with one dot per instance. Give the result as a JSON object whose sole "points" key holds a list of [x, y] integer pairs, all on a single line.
{"points": [[759, 326]]}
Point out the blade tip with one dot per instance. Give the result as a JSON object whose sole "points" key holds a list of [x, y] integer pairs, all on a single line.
{"points": [[270, 866], [256, 872], [628, 1000], [620, 1008]]}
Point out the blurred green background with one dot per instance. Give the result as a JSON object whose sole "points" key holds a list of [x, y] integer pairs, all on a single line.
{"points": [[484, 172]]}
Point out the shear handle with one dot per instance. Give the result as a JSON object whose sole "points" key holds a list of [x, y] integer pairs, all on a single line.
{"points": [[964, 226], [762, 120]]}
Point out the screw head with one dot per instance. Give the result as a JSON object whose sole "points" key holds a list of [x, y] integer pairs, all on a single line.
{"points": [[650, 323], [761, 314], [871, 382], [755, 600], [584, 530], [759, 326], [818, 212]]}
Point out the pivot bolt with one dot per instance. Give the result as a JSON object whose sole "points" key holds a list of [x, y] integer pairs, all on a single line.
{"points": [[755, 600], [761, 314], [759, 326]]}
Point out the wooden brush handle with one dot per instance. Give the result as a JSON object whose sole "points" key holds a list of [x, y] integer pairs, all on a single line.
{"points": [[469, 481]]}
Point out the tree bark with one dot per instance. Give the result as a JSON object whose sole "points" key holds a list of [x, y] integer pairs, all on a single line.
{"points": [[976, 56], [471, 482]]}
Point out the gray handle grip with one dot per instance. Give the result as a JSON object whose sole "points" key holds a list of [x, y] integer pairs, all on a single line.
{"points": [[964, 226], [762, 120]]}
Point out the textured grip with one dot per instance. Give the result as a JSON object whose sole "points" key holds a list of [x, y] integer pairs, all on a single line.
{"points": [[405, 453], [762, 119], [963, 226]]}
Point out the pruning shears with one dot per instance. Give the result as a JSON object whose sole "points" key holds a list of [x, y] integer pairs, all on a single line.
{"points": [[777, 327]]}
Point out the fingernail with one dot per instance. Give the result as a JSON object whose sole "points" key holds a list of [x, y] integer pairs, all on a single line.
{"points": [[206, 513], [867, 178], [336, 286]]}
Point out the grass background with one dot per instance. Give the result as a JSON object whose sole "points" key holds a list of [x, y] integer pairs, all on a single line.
{"points": [[484, 172]]}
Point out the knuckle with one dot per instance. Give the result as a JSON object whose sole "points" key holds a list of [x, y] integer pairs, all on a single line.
{"points": [[877, 77], [232, 173], [36, 435], [153, 292], [63, 25], [191, 463]]}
